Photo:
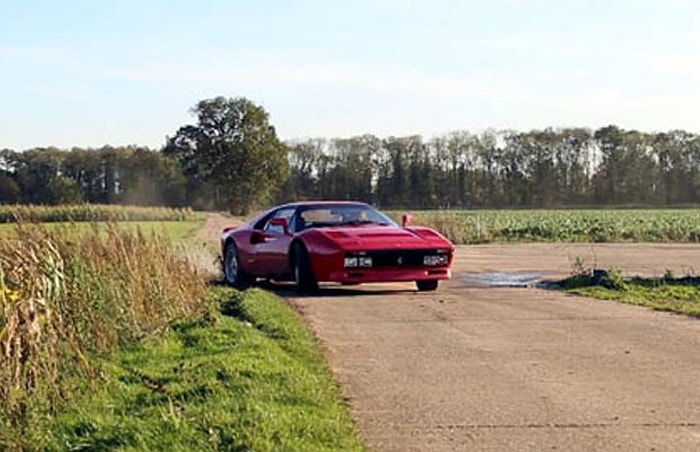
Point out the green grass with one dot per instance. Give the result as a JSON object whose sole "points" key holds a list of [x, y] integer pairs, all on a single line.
{"points": [[679, 295], [251, 379], [585, 225]]}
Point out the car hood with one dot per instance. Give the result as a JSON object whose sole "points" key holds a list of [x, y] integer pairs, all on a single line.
{"points": [[385, 237]]}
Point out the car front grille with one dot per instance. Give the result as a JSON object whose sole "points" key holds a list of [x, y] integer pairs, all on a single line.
{"points": [[400, 258]]}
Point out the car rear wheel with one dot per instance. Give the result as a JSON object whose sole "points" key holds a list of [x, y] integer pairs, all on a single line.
{"points": [[303, 273], [426, 285], [234, 275]]}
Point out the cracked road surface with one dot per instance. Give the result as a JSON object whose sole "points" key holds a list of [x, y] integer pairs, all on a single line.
{"points": [[470, 367]]}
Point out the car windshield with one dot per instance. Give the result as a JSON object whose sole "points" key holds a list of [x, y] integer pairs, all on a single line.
{"points": [[342, 215]]}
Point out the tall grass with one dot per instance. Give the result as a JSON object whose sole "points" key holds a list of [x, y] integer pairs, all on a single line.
{"points": [[92, 212], [66, 297]]}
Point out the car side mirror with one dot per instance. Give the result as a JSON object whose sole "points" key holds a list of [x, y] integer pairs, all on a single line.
{"points": [[406, 219], [282, 223]]}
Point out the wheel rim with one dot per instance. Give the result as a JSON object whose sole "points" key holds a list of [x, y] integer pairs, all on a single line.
{"points": [[231, 265]]}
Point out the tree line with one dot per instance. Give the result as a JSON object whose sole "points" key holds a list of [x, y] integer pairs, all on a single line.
{"points": [[540, 168], [107, 175], [232, 159]]}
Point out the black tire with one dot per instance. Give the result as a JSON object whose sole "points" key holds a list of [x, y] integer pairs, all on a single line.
{"points": [[427, 285], [303, 273], [234, 275]]}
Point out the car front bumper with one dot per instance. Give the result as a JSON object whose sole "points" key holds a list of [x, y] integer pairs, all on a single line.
{"points": [[360, 275]]}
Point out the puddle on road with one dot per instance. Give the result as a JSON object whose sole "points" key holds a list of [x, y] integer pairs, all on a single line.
{"points": [[501, 279]]}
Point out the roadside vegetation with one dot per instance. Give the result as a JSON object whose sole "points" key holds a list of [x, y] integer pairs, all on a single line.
{"points": [[666, 293], [249, 378], [612, 225], [110, 338], [69, 299]]}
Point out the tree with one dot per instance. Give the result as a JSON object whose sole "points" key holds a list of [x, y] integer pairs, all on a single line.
{"points": [[233, 149], [10, 192], [64, 190]]}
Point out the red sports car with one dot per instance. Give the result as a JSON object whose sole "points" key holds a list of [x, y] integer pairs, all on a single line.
{"points": [[345, 242]]}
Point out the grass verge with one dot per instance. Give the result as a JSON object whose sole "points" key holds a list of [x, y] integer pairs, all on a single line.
{"points": [[679, 295], [251, 379]]}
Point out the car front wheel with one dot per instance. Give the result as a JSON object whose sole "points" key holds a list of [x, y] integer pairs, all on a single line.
{"points": [[303, 273], [427, 285], [234, 275]]}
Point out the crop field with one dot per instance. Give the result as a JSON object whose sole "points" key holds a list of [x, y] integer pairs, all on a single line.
{"points": [[93, 212], [176, 231], [176, 224], [619, 225]]}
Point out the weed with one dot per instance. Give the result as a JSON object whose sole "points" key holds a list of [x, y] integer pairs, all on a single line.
{"points": [[580, 267]]}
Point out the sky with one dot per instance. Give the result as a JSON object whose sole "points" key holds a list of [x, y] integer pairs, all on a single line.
{"points": [[89, 73]]}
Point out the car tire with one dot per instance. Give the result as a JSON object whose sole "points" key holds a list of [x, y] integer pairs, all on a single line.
{"points": [[427, 285], [234, 275], [303, 273]]}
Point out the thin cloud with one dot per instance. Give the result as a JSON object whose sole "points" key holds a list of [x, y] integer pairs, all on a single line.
{"points": [[11, 52], [386, 79], [677, 66]]}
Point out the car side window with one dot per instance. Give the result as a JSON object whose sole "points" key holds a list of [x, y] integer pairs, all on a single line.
{"points": [[260, 224], [282, 213], [294, 222]]}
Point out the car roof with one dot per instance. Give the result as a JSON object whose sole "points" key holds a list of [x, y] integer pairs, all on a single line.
{"points": [[321, 204]]}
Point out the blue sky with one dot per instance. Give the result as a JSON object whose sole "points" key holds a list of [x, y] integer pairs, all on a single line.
{"points": [[88, 73]]}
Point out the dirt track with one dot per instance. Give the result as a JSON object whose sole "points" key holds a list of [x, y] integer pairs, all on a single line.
{"points": [[485, 368]]}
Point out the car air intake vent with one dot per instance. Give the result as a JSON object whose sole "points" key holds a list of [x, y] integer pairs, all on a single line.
{"points": [[376, 235]]}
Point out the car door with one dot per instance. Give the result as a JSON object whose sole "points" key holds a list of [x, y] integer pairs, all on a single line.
{"points": [[271, 250]]}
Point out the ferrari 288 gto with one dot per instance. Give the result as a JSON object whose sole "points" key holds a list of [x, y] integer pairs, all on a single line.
{"points": [[333, 241]]}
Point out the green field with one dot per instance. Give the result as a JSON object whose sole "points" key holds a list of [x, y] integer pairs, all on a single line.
{"points": [[9, 213], [176, 231], [614, 225]]}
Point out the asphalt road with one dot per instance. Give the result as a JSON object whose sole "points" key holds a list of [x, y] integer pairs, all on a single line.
{"points": [[516, 368]]}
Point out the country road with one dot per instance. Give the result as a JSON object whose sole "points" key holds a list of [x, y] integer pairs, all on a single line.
{"points": [[474, 367]]}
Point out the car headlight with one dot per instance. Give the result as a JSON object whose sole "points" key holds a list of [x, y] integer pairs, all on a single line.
{"points": [[350, 262], [435, 260]]}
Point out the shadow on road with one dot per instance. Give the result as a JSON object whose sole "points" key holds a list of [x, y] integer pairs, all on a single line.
{"points": [[288, 290]]}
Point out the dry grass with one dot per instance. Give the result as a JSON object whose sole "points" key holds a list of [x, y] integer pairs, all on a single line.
{"points": [[66, 297]]}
